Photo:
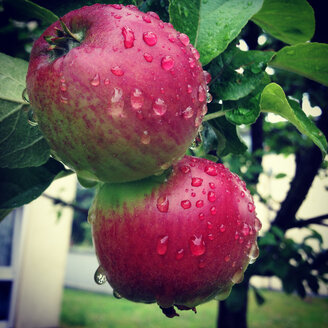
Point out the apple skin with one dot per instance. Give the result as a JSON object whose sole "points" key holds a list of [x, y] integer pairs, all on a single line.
{"points": [[180, 239], [117, 107]]}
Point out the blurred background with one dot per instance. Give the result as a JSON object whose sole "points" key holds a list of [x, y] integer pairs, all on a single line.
{"points": [[47, 260]]}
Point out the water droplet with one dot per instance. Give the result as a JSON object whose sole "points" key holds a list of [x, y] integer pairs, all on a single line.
{"points": [[184, 39], [171, 38], [200, 203], [242, 194], [201, 264], [185, 169], [212, 185], [137, 99], [95, 80], [257, 225], [117, 16], [189, 88], [117, 102], [146, 18], [222, 228], [187, 112], [148, 57], [192, 62], [167, 63], [211, 196], [116, 6], [236, 235], [245, 229], [195, 52], [238, 277], [227, 258], [197, 245], [210, 236], [211, 170], [254, 253], [31, 118], [251, 207], [196, 182], [213, 210], [106, 81], [150, 38], [241, 240], [163, 204], [128, 36], [145, 138], [63, 99], [159, 107], [162, 244], [201, 93], [153, 14], [116, 70], [117, 295], [100, 276], [179, 254], [207, 77], [201, 215], [209, 98], [193, 194], [209, 225], [186, 204], [204, 110], [63, 87]]}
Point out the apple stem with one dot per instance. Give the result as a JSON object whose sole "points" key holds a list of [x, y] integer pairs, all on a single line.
{"points": [[68, 31], [214, 115]]}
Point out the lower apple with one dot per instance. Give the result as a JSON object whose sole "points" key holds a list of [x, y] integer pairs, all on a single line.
{"points": [[179, 239]]}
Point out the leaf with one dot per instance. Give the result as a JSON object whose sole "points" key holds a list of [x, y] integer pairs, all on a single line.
{"points": [[211, 24], [21, 145], [229, 84], [289, 21], [306, 59], [33, 11], [228, 139], [280, 175], [273, 100], [21, 186]]}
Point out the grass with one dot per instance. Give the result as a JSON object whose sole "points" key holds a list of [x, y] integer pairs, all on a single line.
{"points": [[83, 309]]}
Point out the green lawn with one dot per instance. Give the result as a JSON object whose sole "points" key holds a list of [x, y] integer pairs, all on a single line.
{"points": [[82, 309]]}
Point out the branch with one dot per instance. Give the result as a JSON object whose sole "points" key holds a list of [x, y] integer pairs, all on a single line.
{"points": [[64, 203], [315, 220]]}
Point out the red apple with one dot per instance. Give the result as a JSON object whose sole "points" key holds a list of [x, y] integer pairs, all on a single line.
{"points": [[178, 240], [118, 94]]}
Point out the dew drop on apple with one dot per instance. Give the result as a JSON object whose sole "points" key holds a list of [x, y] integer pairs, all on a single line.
{"points": [[117, 102], [148, 57], [200, 203], [95, 80], [185, 169], [117, 295], [251, 207], [162, 244], [180, 253], [63, 87], [254, 253], [159, 107], [106, 81], [192, 62], [209, 225], [167, 63], [207, 77], [211, 196], [257, 225], [201, 216], [189, 88], [117, 71], [153, 14], [145, 138], [31, 118], [197, 245], [137, 99], [238, 277], [245, 229], [162, 204], [213, 210], [184, 39], [150, 38], [116, 6], [201, 93], [209, 97], [196, 182], [222, 228], [211, 170], [210, 236], [227, 258], [171, 38], [146, 18], [63, 99], [128, 36], [187, 112], [212, 185], [100, 276], [185, 204], [195, 52]]}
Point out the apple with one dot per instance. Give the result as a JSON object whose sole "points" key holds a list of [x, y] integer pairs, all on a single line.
{"points": [[118, 94], [179, 239]]}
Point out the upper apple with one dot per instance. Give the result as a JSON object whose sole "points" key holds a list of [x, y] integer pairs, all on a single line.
{"points": [[123, 101]]}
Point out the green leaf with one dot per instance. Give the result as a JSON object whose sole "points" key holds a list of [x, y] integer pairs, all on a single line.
{"points": [[273, 100], [21, 145], [290, 21], [307, 59], [228, 138], [33, 11], [12, 78], [229, 84], [21, 186], [211, 24], [280, 175]]}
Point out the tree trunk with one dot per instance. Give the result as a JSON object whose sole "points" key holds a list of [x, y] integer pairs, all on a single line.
{"points": [[233, 311]]}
